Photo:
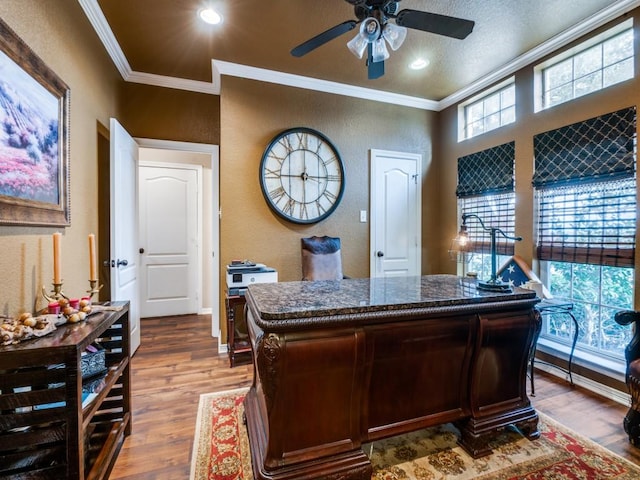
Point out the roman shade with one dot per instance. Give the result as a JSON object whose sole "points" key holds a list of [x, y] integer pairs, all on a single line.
{"points": [[586, 191], [486, 172], [486, 188], [598, 149]]}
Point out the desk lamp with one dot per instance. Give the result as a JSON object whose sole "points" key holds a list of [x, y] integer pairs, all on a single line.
{"points": [[463, 242]]}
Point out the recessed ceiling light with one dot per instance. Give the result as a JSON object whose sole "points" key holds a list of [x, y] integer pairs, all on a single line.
{"points": [[210, 16], [419, 64]]}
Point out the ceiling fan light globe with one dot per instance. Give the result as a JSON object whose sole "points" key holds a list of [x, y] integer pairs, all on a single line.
{"points": [[358, 45], [380, 52], [394, 35], [370, 28]]}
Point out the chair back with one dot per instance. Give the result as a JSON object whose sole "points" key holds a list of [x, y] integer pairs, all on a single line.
{"points": [[321, 258]]}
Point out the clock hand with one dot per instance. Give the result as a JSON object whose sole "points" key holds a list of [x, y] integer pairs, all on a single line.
{"points": [[293, 176], [304, 176]]}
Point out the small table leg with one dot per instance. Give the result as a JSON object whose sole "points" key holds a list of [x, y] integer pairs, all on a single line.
{"points": [[560, 308], [573, 345]]}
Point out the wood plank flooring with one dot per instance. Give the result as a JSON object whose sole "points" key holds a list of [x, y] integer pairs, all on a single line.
{"points": [[178, 360]]}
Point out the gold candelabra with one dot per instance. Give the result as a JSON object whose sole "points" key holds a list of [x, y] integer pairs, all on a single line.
{"points": [[56, 293], [94, 289]]}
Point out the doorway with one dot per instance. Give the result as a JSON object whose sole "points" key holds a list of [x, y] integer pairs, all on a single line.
{"points": [[170, 233], [206, 158], [209, 298], [396, 191]]}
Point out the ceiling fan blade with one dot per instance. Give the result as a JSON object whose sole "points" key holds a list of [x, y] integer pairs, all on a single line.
{"points": [[375, 69], [435, 23], [323, 38]]}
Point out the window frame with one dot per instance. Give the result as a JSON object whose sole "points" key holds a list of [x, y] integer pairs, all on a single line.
{"points": [[586, 222], [571, 54], [499, 89], [585, 351]]}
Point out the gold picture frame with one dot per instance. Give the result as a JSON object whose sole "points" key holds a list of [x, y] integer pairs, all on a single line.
{"points": [[34, 138]]}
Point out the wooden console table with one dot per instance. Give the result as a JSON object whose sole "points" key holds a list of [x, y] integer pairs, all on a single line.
{"points": [[45, 433], [342, 363]]}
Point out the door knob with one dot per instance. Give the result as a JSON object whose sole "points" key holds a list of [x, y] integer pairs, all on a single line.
{"points": [[141, 250], [122, 263], [380, 254]]}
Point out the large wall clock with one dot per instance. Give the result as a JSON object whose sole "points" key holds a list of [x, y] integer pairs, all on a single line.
{"points": [[302, 175]]}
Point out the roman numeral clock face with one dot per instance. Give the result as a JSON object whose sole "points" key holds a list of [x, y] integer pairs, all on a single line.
{"points": [[302, 176]]}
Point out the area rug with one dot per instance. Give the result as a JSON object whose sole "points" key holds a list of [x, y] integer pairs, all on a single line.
{"points": [[221, 451]]}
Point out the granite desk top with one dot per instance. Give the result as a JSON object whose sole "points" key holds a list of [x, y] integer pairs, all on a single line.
{"points": [[296, 300]]}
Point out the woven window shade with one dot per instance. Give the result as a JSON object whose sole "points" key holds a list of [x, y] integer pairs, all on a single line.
{"points": [[586, 191], [496, 211], [486, 172], [598, 149], [486, 188], [592, 223]]}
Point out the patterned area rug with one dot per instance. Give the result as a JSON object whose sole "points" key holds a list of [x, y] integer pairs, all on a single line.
{"points": [[221, 451]]}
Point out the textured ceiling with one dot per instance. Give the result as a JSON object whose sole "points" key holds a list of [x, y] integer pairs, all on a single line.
{"points": [[164, 37]]}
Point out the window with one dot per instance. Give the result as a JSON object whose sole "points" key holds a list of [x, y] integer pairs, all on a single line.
{"points": [[486, 188], [496, 211], [597, 293], [585, 192], [493, 110], [593, 67]]}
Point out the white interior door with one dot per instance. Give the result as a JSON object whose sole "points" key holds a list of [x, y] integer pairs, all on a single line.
{"points": [[124, 224], [169, 238], [395, 214]]}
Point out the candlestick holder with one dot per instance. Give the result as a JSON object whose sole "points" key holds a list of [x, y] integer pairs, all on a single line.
{"points": [[93, 288], [56, 293]]}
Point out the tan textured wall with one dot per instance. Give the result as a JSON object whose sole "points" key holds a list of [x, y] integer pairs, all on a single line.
{"points": [[170, 114], [60, 34], [252, 114], [522, 131]]}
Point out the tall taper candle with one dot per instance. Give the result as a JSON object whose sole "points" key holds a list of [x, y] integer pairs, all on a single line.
{"points": [[92, 257], [56, 258]]}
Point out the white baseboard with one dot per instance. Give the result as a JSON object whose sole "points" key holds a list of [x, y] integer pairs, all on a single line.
{"points": [[595, 387]]}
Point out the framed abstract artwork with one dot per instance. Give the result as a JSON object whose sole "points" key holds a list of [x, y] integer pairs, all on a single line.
{"points": [[34, 138]]}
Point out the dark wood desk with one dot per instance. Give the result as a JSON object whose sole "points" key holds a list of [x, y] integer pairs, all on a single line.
{"points": [[341, 363]]}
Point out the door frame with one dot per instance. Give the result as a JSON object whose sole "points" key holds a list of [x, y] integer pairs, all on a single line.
{"points": [[374, 155], [199, 219], [214, 151]]}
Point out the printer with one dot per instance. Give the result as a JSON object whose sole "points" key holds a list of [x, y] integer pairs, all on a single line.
{"points": [[242, 274]]}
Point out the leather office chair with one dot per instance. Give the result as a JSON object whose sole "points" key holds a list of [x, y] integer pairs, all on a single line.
{"points": [[632, 354], [321, 258]]}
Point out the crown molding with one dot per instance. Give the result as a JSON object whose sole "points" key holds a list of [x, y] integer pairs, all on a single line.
{"points": [[172, 82], [219, 67], [595, 21], [99, 23], [271, 76]]}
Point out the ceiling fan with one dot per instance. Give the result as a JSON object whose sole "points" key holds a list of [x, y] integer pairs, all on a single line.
{"points": [[375, 28]]}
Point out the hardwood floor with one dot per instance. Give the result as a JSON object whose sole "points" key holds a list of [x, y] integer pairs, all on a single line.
{"points": [[178, 360]]}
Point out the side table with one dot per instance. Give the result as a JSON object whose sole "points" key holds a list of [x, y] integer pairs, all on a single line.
{"points": [[557, 306]]}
